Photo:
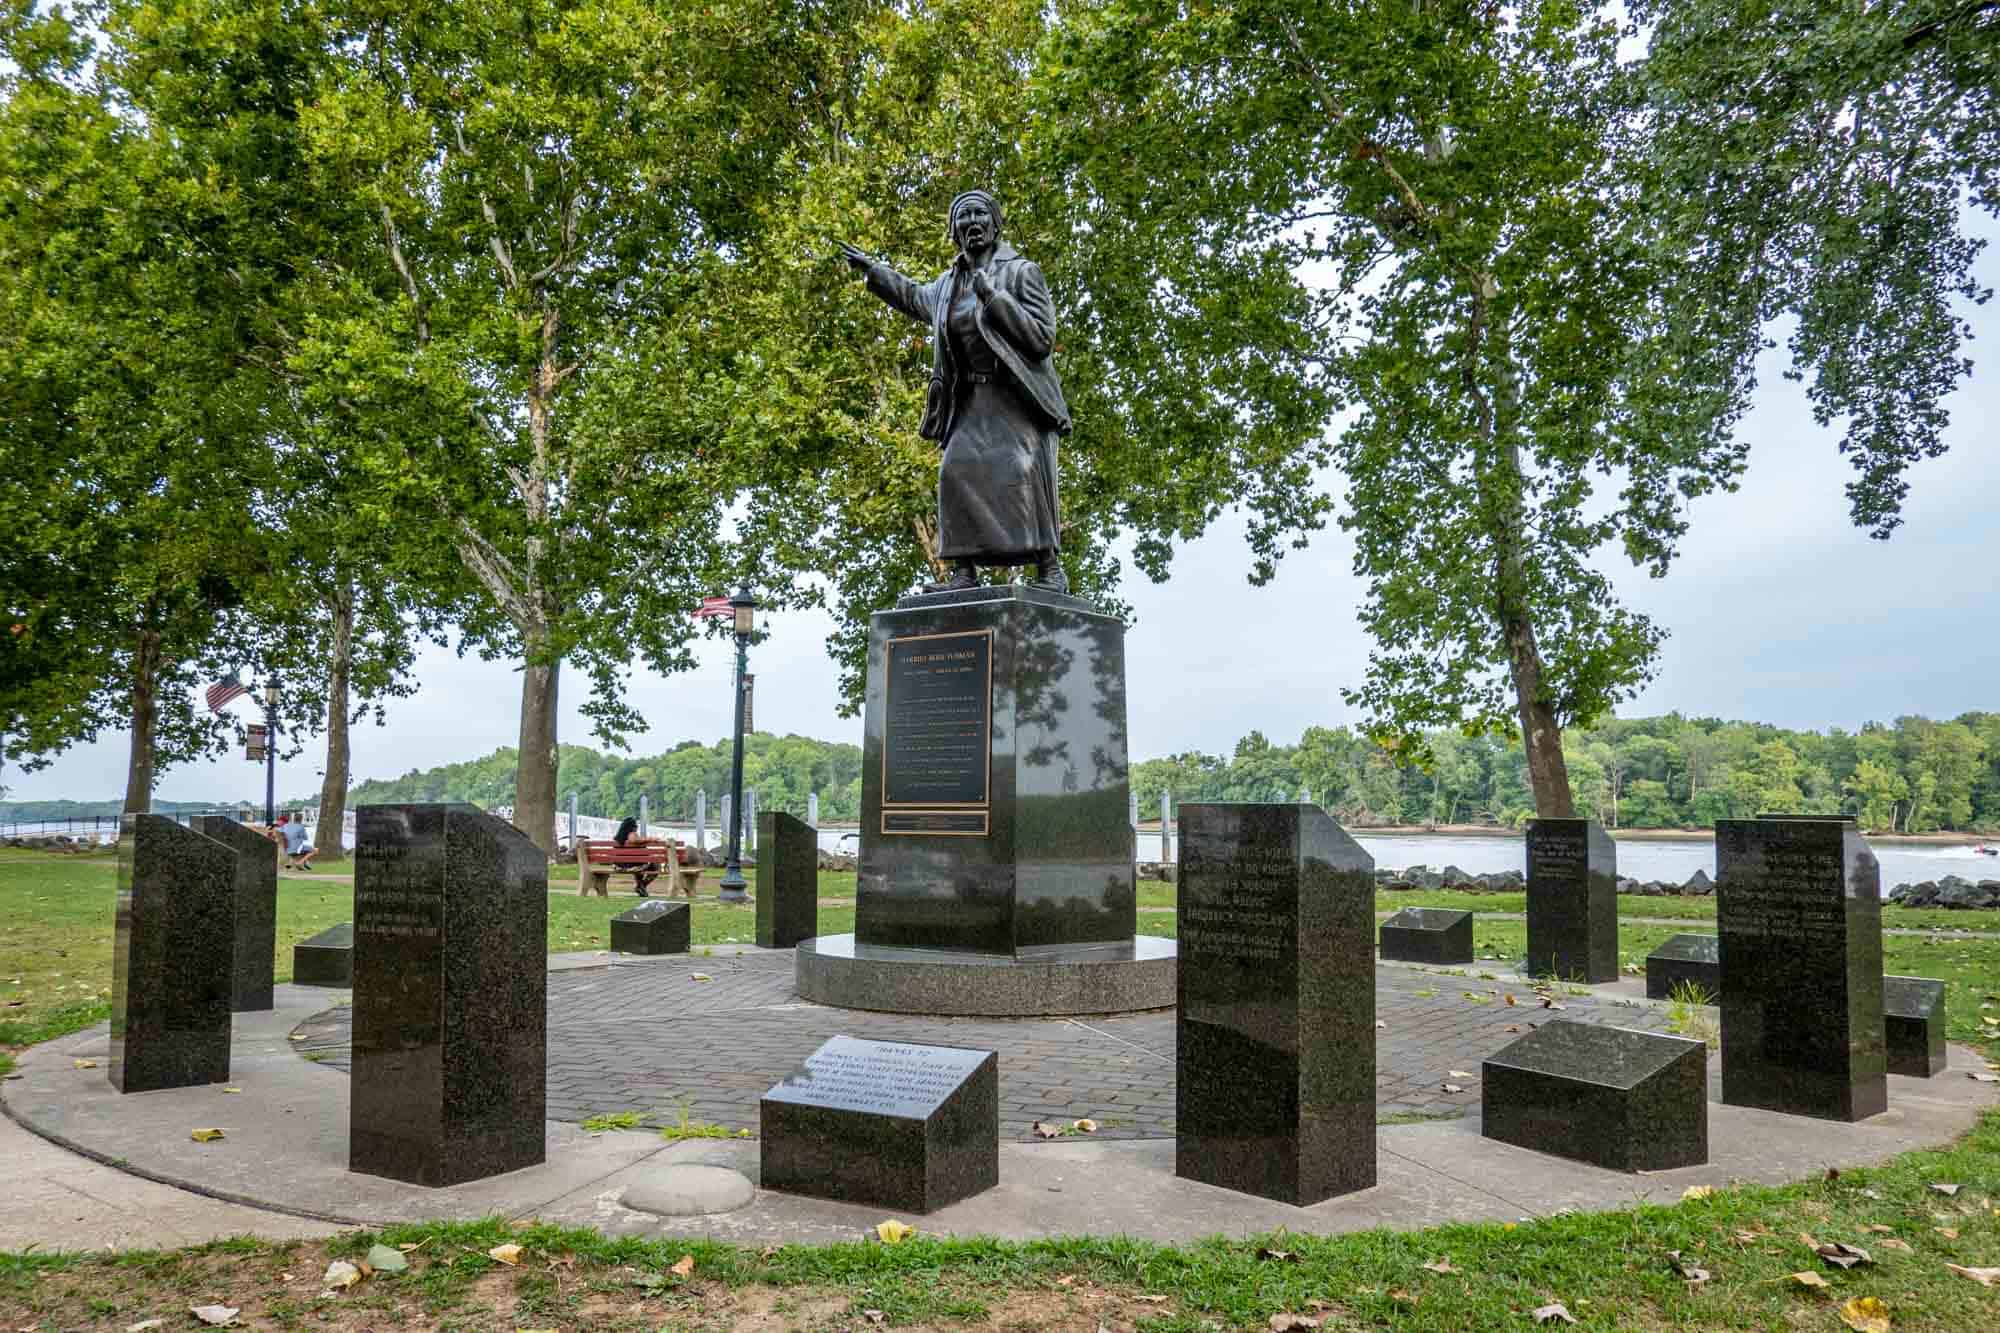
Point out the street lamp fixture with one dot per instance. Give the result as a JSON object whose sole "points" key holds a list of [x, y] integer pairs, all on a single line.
{"points": [[733, 883]]}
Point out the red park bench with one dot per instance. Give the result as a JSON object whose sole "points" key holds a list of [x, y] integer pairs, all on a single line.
{"points": [[602, 858]]}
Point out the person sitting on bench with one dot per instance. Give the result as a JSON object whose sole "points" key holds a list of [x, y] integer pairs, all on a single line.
{"points": [[627, 836]]}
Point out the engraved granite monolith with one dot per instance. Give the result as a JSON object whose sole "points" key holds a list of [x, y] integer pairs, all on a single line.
{"points": [[450, 995], [325, 959], [1275, 1093], [256, 909], [172, 959], [884, 1123], [787, 880], [653, 927], [1616, 1097], [1913, 1025], [1685, 960], [1798, 907], [1572, 900]]}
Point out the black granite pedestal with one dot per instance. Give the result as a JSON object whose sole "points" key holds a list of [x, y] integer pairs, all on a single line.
{"points": [[450, 995], [1427, 935], [1614, 1097], [173, 957], [787, 880], [325, 959], [1798, 907], [993, 777], [1572, 900], [1685, 960], [256, 909], [1275, 1094], [910, 1128], [1913, 1025], [650, 928]]}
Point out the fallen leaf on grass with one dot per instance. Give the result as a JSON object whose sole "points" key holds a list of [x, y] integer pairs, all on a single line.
{"points": [[1865, 1314], [1441, 1266], [340, 1275], [1085, 1126], [892, 1232], [873, 1316], [384, 1259], [1843, 1255], [509, 1254], [1697, 1192], [204, 1135], [1985, 1277], [1945, 1189], [683, 1266], [1809, 1280], [1151, 1299], [1278, 1256], [1550, 1313], [1879, 1229], [144, 1324], [1686, 1271], [1902, 1246], [1949, 1233], [214, 1315], [1284, 1323], [84, 1064]]}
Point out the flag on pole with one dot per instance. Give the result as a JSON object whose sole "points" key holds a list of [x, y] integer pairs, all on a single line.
{"points": [[712, 607], [220, 693]]}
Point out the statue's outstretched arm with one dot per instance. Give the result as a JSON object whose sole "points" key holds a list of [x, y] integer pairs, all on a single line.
{"points": [[896, 289]]}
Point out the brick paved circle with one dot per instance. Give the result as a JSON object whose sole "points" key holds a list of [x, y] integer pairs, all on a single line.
{"points": [[647, 1037]]}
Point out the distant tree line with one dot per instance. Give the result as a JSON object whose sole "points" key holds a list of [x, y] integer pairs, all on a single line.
{"points": [[1912, 776]]}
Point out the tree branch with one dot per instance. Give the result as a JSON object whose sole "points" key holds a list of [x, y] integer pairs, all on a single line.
{"points": [[395, 244]]}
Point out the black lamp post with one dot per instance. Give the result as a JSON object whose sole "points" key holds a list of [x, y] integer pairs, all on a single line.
{"points": [[733, 882]]}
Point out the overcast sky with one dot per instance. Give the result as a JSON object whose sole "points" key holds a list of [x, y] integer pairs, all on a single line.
{"points": [[1779, 611]]}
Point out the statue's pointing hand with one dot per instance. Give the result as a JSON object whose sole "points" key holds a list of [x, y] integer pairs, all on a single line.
{"points": [[859, 261]]}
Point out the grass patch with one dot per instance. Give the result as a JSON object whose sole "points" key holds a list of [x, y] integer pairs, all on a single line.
{"points": [[1689, 1014], [687, 1127], [1611, 1270], [597, 1124]]}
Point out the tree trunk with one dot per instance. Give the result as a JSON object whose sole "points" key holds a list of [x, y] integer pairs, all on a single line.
{"points": [[535, 771], [145, 718], [333, 790]]}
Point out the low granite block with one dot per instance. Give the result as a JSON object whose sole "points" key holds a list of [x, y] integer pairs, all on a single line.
{"points": [[910, 1128], [172, 957], [1694, 960], [449, 1079], [1913, 1025], [256, 909], [1428, 935], [1275, 1029], [787, 880], [1613, 1097], [651, 927], [1572, 900], [325, 959]]}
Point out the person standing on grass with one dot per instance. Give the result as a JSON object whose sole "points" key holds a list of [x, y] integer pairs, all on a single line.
{"points": [[298, 852]]}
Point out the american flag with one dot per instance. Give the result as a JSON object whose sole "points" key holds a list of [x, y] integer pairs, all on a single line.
{"points": [[712, 607], [220, 693]]}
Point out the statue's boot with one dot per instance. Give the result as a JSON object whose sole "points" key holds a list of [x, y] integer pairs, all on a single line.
{"points": [[965, 576], [1049, 573]]}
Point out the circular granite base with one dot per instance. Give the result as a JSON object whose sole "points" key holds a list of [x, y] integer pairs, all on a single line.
{"points": [[834, 970]]}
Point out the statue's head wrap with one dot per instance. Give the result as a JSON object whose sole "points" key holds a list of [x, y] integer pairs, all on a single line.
{"points": [[951, 214]]}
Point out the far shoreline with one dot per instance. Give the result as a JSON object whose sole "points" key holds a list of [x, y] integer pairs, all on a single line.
{"points": [[1621, 835]]}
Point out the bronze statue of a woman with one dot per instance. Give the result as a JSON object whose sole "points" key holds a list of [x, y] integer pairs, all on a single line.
{"points": [[995, 405]]}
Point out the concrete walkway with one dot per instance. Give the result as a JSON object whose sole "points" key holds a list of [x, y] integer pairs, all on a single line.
{"points": [[281, 1167]]}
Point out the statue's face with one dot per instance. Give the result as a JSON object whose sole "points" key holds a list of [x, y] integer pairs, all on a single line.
{"points": [[973, 225]]}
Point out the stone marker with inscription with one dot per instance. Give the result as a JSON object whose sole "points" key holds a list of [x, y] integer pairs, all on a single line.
{"points": [[450, 995], [787, 880], [1685, 960], [256, 909], [1913, 1025], [172, 958], [1275, 1092], [1428, 935], [325, 959], [994, 779], [1572, 900], [1798, 907], [911, 1128], [1615, 1097], [653, 927]]}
